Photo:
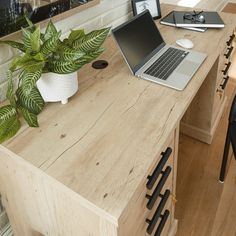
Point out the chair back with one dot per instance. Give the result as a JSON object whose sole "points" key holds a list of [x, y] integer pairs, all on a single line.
{"points": [[232, 126], [232, 114]]}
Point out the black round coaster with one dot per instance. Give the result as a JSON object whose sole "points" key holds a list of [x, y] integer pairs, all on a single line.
{"points": [[100, 64]]}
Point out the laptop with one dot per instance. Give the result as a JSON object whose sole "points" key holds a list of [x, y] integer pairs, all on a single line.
{"points": [[150, 58]]}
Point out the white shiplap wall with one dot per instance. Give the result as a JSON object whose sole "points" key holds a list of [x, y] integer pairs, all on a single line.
{"points": [[107, 13]]}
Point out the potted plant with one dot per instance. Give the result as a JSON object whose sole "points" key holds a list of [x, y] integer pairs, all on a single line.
{"points": [[43, 54]]}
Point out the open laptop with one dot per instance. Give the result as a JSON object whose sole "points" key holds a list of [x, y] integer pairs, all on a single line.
{"points": [[148, 56]]}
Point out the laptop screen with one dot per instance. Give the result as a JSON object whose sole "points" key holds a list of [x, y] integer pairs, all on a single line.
{"points": [[139, 39]]}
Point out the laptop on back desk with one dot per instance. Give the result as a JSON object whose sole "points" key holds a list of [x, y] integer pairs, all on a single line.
{"points": [[150, 58]]}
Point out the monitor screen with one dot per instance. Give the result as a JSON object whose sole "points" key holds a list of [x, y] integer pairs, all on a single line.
{"points": [[138, 39]]}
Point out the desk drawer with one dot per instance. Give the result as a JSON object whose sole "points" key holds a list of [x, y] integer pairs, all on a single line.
{"points": [[226, 50], [219, 97], [153, 200]]}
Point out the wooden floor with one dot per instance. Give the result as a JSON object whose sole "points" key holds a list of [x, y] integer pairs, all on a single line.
{"points": [[206, 206], [230, 8]]}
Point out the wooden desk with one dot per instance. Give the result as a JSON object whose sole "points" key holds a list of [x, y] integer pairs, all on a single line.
{"points": [[84, 171]]}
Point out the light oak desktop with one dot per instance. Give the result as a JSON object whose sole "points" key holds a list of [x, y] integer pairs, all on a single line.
{"points": [[85, 170]]}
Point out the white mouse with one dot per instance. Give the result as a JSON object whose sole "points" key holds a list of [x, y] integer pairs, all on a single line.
{"points": [[185, 43]]}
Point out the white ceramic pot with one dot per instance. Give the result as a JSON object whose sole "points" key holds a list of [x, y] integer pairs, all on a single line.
{"points": [[56, 87]]}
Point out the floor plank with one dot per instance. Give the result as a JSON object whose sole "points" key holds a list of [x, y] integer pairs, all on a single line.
{"points": [[230, 8], [202, 199]]}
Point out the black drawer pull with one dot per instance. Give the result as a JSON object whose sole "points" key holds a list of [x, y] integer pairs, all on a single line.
{"points": [[156, 193], [225, 71], [162, 223], [227, 55], [225, 82], [152, 178], [231, 39], [157, 214]]}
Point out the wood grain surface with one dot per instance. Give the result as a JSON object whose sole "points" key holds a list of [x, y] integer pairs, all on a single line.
{"points": [[105, 140]]}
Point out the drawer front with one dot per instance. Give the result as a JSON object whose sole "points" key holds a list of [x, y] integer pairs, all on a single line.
{"points": [[222, 75], [150, 211], [225, 57]]}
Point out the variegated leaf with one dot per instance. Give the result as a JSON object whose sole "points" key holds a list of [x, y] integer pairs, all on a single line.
{"points": [[65, 67], [9, 128], [91, 41], [50, 30], [30, 64], [29, 117], [33, 102], [26, 38], [28, 80], [75, 35], [35, 40], [10, 89], [6, 112], [92, 55], [13, 44], [30, 23], [51, 44], [19, 61], [66, 53], [39, 57], [26, 63]]}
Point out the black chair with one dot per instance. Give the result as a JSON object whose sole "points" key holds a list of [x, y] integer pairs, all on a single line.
{"points": [[230, 139]]}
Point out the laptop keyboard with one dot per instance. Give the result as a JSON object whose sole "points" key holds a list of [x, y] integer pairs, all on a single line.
{"points": [[166, 63]]}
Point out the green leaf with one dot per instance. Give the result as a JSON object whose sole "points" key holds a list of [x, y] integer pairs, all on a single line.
{"points": [[91, 41], [35, 40], [65, 67], [28, 80], [6, 112], [20, 61], [26, 62], [10, 89], [33, 102], [51, 44], [9, 128], [50, 30], [92, 55], [30, 23], [13, 44], [69, 54], [39, 57], [26, 38], [75, 34], [29, 117]]}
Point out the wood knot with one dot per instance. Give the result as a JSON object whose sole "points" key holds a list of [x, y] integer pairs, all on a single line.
{"points": [[63, 136]]}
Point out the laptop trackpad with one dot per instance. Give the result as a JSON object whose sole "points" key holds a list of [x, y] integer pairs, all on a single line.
{"points": [[187, 68]]}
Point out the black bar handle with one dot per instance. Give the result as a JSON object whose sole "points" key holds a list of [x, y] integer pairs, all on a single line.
{"points": [[152, 179], [157, 191], [227, 55], [162, 223], [226, 68], [225, 82], [230, 40], [157, 214]]}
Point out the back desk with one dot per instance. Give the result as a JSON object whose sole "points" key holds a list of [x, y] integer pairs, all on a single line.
{"points": [[105, 164]]}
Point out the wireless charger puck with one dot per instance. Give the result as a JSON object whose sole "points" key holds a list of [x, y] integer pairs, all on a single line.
{"points": [[100, 64]]}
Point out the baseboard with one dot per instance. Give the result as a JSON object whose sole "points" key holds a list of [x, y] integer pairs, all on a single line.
{"points": [[195, 133], [200, 134]]}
